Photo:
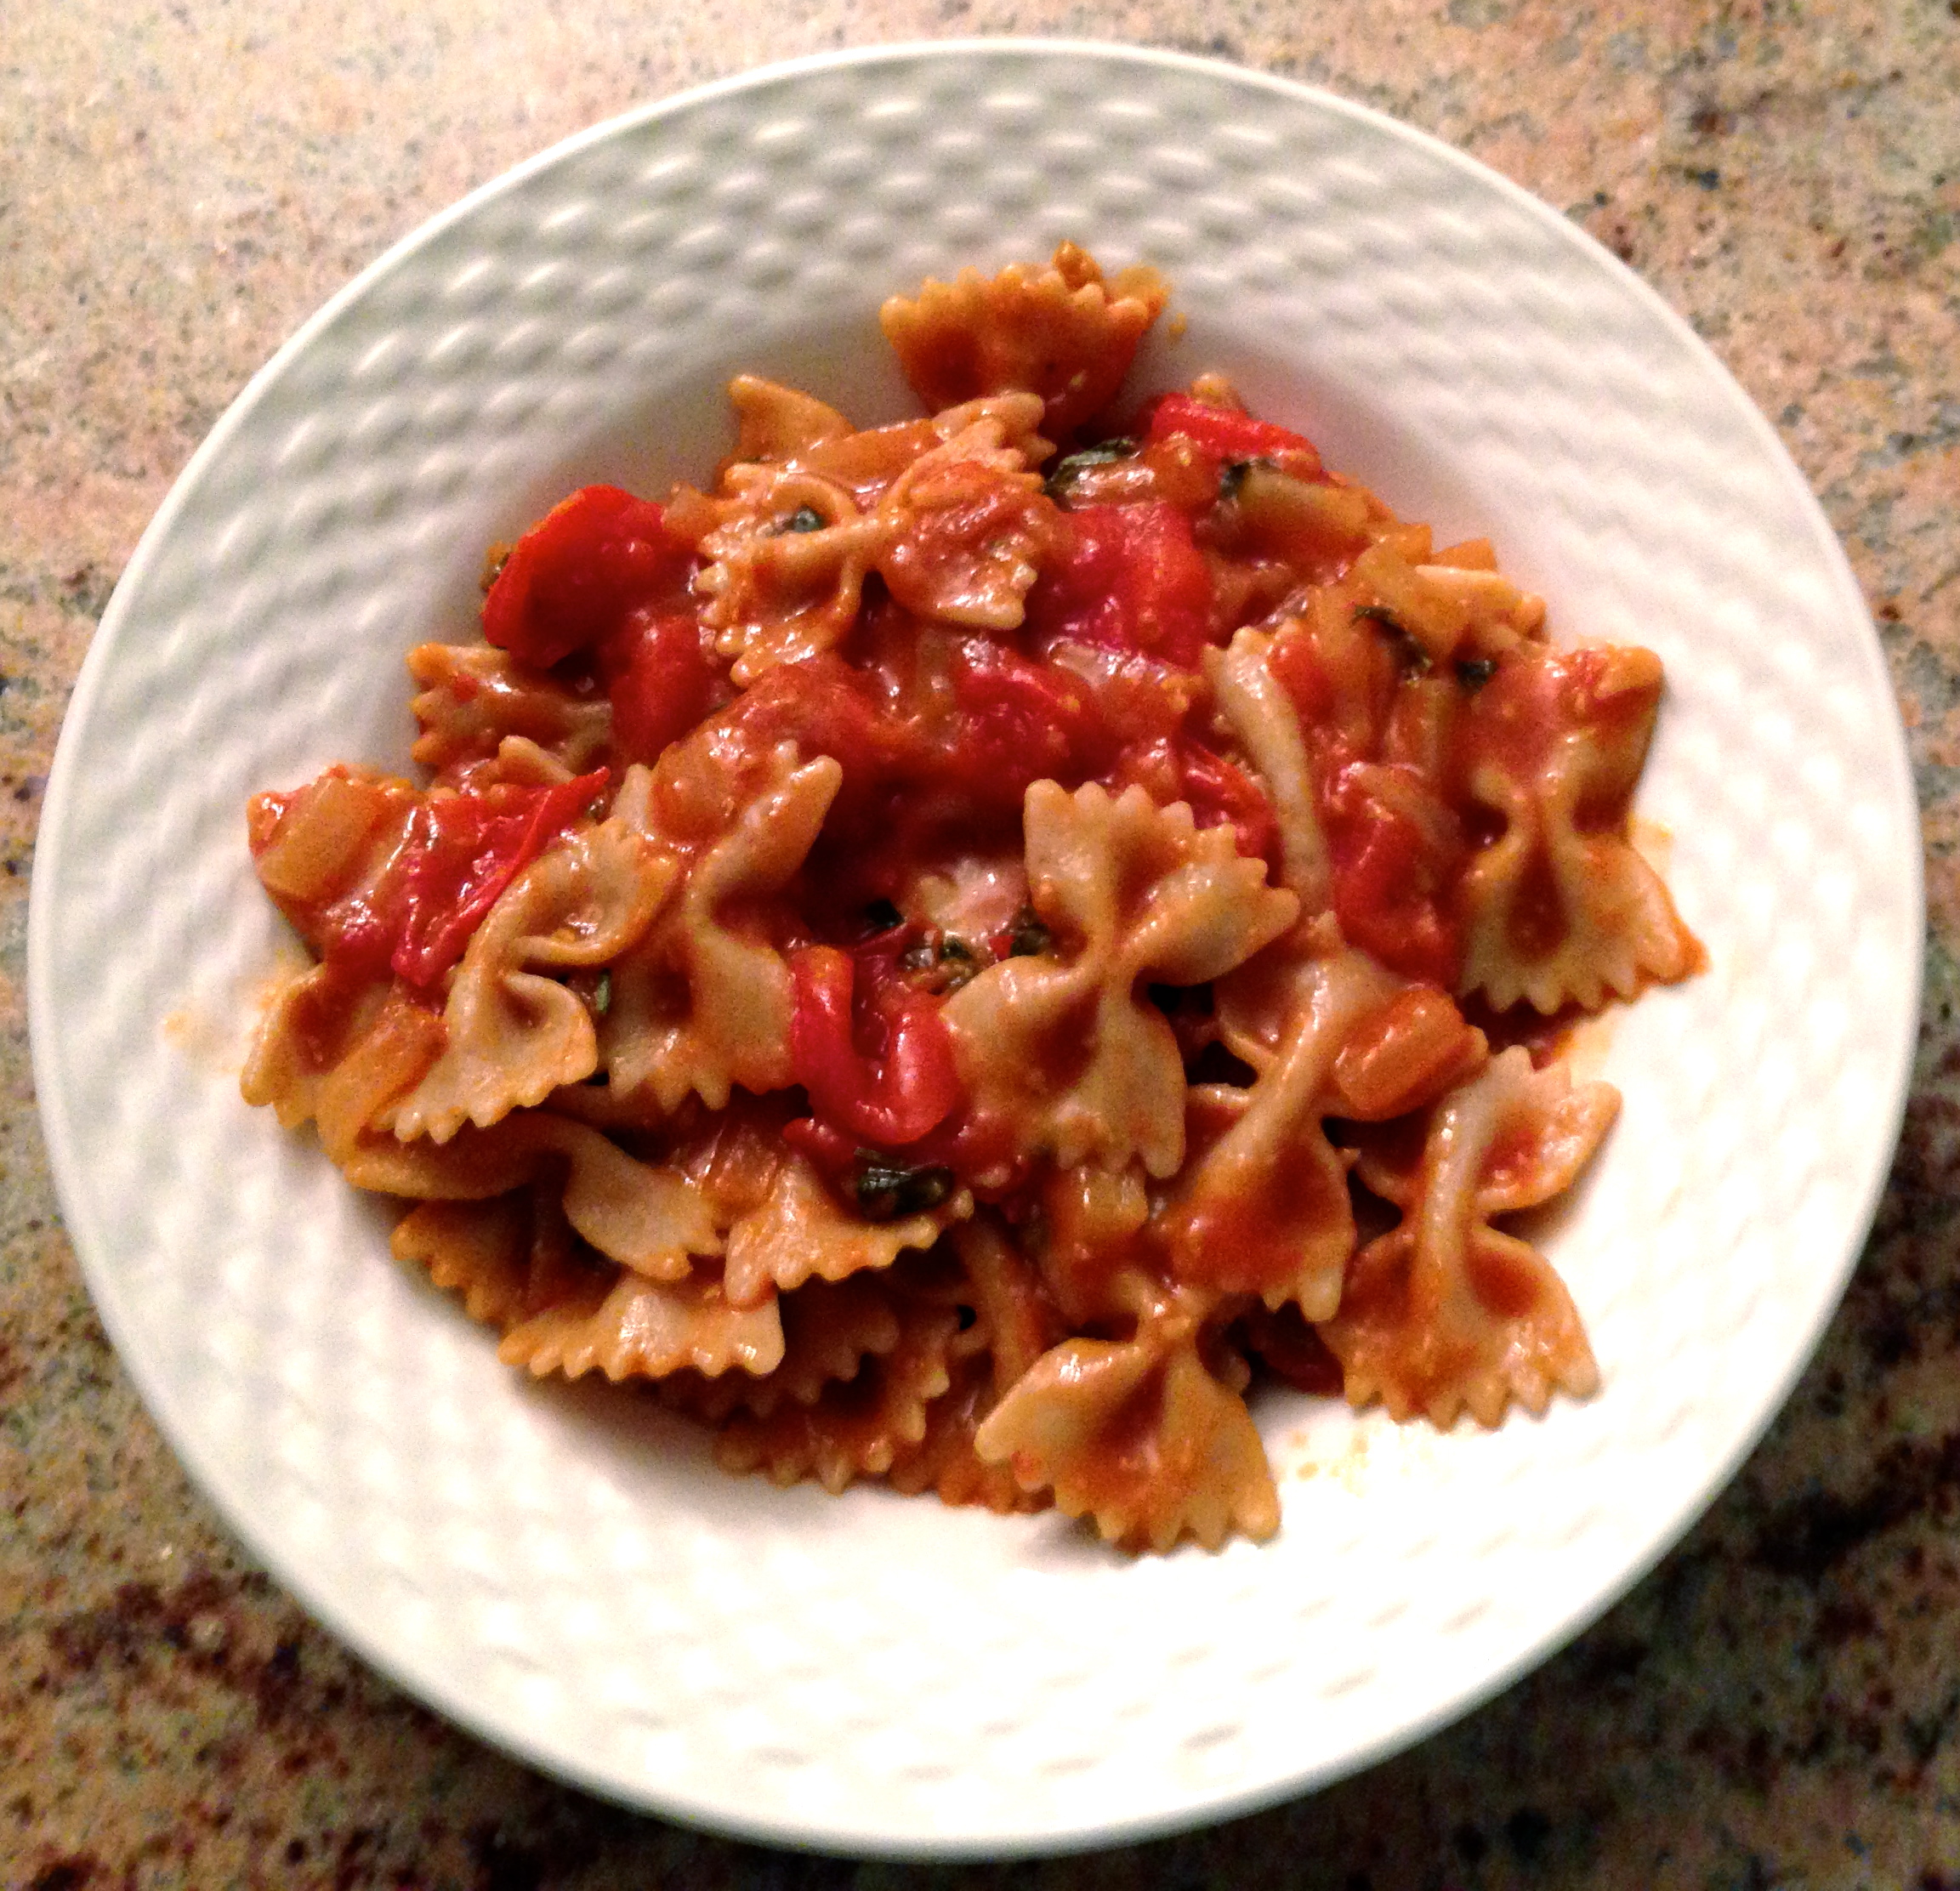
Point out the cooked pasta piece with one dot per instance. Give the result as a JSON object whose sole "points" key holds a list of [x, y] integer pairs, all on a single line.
{"points": [[1264, 1209], [473, 699], [508, 1258], [779, 422], [391, 1056], [830, 1329], [310, 1026], [967, 522], [514, 1033], [1254, 701], [953, 532], [649, 1217], [479, 1250], [1061, 332], [1092, 1251], [801, 1232], [1139, 1435], [854, 1428], [945, 1462], [787, 564], [642, 1329], [1559, 908], [1058, 1043], [1013, 1322], [702, 1003], [1447, 1312]]}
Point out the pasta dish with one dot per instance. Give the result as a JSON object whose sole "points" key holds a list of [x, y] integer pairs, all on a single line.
{"points": [[957, 948]]}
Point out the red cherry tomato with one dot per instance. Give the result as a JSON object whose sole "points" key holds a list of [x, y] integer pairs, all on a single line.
{"points": [[659, 679], [1223, 431], [1129, 578], [463, 850], [878, 1064], [1394, 876], [1218, 792], [571, 579], [1019, 721]]}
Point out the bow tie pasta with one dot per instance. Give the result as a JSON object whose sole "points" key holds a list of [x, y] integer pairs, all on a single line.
{"points": [[960, 948]]}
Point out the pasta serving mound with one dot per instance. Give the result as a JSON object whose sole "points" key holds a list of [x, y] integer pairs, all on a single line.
{"points": [[956, 947]]}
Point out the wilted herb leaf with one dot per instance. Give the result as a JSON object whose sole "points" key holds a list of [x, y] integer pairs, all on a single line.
{"points": [[1411, 658], [1072, 467], [890, 1191], [1030, 936]]}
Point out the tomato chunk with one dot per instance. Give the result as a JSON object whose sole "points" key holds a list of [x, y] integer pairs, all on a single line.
{"points": [[1129, 578], [1397, 856], [571, 579], [1017, 722], [1220, 792], [659, 679], [1224, 431], [464, 851], [877, 1063]]}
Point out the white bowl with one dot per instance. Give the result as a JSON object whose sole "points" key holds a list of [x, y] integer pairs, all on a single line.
{"points": [[562, 1571]]}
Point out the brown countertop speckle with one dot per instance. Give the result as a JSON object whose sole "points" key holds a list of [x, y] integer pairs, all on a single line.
{"points": [[1778, 1705]]}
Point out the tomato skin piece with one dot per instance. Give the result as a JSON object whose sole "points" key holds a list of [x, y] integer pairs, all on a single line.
{"points": [[1392, 881], [658, 678], [826, 708], [980, 1150], [571, 579], [1223, 431], [824, 1146], [878, 1066], [464, 850], [1127, 578], [358, 936], [1018, 723], [1292, 1350], [1218, 794], [1294, 660]]}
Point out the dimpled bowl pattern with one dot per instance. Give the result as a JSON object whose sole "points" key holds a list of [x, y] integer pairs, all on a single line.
{"points": [[561, 1569]]}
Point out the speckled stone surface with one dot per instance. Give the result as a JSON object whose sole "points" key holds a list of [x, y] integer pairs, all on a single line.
{"points": [[1778, 1705]]}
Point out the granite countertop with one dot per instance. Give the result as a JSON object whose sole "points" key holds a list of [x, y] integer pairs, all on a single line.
{"points": [[1777, 1704]]}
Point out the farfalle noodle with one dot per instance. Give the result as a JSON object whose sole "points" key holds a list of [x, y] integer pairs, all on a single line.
{"points": [[1062, 332], [646, 1329], [802, 1233], [1140, 1434], [830, 1329], [857, 1427], [514, 1033], [1065, 1047], [939, 952], [1559, 908], [703, 1003], [949, 515], [1447, 1311], [1264, 1209], [474, 700]]}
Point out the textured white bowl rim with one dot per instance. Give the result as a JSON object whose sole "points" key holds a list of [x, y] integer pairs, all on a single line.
{"points": [[122, 1320]]}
